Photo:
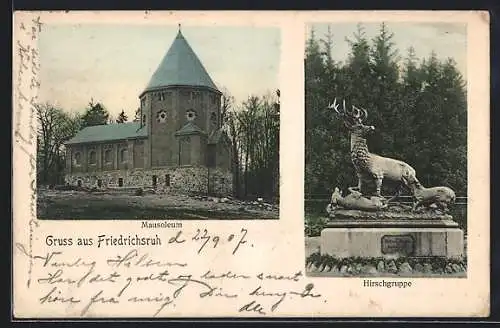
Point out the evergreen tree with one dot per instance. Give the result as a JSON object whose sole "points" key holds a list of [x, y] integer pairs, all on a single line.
{"points": [[96, 114], [137, 115], [385, 107], [315, 104], [419, 111], [410, 92], [450, 166], [122, 118]]}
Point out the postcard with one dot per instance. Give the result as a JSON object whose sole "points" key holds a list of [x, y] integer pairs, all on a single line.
{"points": [[173, 164]]}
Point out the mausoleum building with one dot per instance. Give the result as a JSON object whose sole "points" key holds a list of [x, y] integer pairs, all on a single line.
{"points": [[178, 144]]}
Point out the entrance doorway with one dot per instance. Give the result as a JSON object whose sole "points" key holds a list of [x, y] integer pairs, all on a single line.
{"points": [[167, 180], [79, 183], [155, 180], [99, 183], [120, 182]]}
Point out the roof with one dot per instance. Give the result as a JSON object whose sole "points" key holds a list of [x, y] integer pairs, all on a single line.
{"points": [[180, 67], [109, 132], [188, 129]]}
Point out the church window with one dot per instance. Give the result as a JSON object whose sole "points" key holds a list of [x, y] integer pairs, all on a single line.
{"points": [[190, 115], [120, 182], [155, 181], [167, 180], [124, 155], [92, 157], [143, 119], [161, 116], [78, 158], [99, 183], [107, 156]]}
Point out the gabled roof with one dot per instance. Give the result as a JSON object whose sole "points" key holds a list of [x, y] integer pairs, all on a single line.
{"points": [[109, 132], [188, 129], [180, 67]]}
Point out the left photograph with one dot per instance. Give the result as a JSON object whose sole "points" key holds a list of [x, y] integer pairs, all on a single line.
{"points": [[158, 122]]}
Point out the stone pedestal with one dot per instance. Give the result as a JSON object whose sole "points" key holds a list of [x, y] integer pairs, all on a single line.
{"points": [[391, 235]]}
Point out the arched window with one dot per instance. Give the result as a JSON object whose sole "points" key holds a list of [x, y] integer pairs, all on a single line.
{"points": [[107, 156], [144, 119], [92, 157], [124, 155], [77, 159]]}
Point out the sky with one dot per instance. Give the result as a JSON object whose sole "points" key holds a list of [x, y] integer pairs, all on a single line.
{"points": [[446, 39], [113, 64]]}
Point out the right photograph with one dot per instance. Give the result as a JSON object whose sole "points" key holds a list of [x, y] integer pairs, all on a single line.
{"points": [[386, 150]]}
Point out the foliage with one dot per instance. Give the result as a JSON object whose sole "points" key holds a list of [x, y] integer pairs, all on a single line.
{"points": [[122, 117], [253, 129], [95, 114], [418, 108], [54, 128], [137, 115], [437, 264], [314, 224]]}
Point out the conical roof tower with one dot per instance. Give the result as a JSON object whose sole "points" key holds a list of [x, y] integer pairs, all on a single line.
{"points": [[180, 67]]}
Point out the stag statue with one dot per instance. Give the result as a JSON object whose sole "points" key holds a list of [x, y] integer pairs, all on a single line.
{"points": [[371, 167]]}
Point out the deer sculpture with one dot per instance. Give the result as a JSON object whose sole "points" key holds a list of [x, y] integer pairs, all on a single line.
{"points": [[371, 167], [354, 200], [440, 196]]}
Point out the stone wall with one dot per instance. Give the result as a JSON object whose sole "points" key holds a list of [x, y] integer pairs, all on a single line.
{"points": [[106, 156], [176, 102], [189, 179], [221, 182]]}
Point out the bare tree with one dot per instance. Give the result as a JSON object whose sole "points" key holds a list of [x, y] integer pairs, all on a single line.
{"points": [[54, 128]]}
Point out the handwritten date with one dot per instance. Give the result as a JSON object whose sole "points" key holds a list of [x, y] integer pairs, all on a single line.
{"points": [[204, 238]]}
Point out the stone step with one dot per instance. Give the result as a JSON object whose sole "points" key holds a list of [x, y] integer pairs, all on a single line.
{"points": [[391, 223]]}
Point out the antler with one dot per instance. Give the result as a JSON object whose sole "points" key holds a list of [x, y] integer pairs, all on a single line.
{"points": [[350, 117], [334, 106], [361, 113]]}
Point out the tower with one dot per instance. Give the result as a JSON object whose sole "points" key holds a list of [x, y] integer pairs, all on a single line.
{"points": [[180, 110]]}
